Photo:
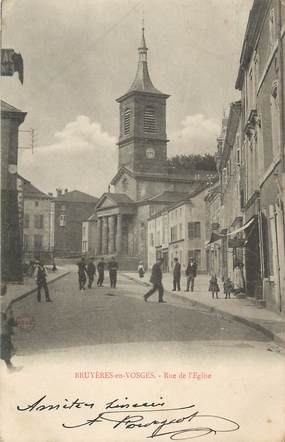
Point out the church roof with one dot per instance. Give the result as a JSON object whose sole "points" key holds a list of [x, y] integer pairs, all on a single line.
{"points": [[190, 177], [142, 81], [167, 196], [116, 199]]}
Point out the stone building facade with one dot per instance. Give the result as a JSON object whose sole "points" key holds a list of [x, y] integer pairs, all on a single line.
{"points": [[179, 231], [70, 209], [261, 82], [38, 224], [11, 247], [143, 184]]}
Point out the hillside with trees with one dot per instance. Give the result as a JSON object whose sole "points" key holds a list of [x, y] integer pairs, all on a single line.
{"points": [[193, 162]]}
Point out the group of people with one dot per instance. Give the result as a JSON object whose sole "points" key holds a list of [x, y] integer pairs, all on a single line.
{"points": [[89, 271], [156, 278], [236, 286]]}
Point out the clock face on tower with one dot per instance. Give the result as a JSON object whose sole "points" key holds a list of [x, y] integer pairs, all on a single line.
{"points": [[150, 153]]}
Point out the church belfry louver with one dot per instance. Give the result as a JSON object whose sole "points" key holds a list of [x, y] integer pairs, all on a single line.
{"points": [[143, 141]]}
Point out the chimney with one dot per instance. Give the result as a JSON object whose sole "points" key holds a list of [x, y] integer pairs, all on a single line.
{"points": [[50, 194], [59, 192], [65, 191]]}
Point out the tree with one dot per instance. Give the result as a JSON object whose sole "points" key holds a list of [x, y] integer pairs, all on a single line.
{"points": [[193, 162]]}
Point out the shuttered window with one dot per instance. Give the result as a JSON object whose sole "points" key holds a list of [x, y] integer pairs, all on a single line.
{"points": [[127, 121], [149, 120]]}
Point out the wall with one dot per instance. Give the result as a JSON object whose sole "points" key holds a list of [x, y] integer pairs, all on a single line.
{"points": [[68, 239]]}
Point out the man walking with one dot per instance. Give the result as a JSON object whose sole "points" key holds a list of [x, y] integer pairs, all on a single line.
{"points": [[156, 280], [176, 275], [113, 268], [91, 272], [41, 280], [101, 269], [82, 273], [191, 273]]}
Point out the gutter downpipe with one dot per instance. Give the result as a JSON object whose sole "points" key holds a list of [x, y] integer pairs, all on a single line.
{"points": [[282, 141]]}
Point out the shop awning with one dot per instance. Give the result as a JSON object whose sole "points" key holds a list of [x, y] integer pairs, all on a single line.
{"points": [[214, 237], [245, 226]]}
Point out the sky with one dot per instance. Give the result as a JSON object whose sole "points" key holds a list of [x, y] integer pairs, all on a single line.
{"points": [[80, 55]]}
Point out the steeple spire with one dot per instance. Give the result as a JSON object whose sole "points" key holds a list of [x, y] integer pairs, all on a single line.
{"points": [[142, 81], [143, 48]]}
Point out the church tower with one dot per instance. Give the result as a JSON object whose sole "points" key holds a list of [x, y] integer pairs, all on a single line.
{"points": [[143, 141]]}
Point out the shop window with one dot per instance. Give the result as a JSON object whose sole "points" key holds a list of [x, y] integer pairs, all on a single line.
{"points": [[195, 255]]}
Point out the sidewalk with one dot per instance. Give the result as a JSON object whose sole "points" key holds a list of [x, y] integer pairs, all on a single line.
{"points": [[243, 310], [15, 292]]}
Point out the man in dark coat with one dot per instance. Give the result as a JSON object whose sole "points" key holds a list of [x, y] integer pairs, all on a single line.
{"points": [[82, 274], [176, 275], [156, 280], [113, 268], [191, 273], [91, 272], [101, 269], [41, 280]]}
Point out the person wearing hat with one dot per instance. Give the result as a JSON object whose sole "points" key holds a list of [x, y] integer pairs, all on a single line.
{"points": [[113, 269], [91, 272], [176, 275], [156, 280], [41, 280], [82, 273], [101, 272]]}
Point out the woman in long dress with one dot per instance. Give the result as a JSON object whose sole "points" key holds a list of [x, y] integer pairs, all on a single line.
{"points": [[238, 280]]}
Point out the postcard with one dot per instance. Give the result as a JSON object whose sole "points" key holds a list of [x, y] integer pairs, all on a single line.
{"points": [[142, 220]]}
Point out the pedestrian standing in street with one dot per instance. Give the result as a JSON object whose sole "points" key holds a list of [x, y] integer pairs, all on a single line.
{"points": [[113, 269], [91, 272], [228, 288], [176, 275], [141, 270], [41, 280], [7, 323], [156, 280], [101, 272], [191, 273], [214, 286], [238, 280], [82, 273]]}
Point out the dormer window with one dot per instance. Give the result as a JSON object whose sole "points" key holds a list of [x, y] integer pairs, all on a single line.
{"points": [[127, 121], [149, 120]]}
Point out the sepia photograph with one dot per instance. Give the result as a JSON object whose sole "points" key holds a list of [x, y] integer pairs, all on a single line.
{"points": [[142, 220]]}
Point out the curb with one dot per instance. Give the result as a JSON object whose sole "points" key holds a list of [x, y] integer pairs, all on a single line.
{"points": [[268, 333], [24, 295]]}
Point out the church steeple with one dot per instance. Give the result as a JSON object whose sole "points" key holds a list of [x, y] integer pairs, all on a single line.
{"points": [[143, 140], [142, 81]]}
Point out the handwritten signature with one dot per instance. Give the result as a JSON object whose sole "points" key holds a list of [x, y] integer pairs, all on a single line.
{"points": [[145, 415]]}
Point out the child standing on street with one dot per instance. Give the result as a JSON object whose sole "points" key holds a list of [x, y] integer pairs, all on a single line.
{"points": [[214, 286], [228, 288]]}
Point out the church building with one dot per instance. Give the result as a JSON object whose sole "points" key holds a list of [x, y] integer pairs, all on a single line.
{"points": [[143, 184]]}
